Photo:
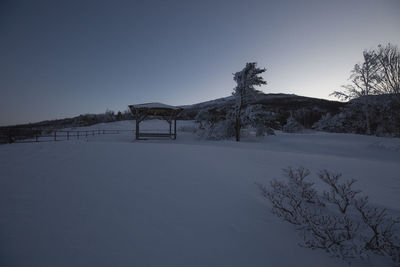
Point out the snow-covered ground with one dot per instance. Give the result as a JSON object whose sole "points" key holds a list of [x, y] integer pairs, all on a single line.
{"points": [[111, 201]]}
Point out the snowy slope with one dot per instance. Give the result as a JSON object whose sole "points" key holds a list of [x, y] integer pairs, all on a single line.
{"points": [[273, 102], [112, 201]]}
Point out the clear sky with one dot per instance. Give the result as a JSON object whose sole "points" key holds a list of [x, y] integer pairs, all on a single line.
{"points": [[65, 58]]}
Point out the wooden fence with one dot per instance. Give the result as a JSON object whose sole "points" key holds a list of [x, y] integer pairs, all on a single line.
{"points": [[25, 135]]}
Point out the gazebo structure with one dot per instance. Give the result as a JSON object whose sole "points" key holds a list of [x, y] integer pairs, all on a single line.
{"points": [[157, 110]]}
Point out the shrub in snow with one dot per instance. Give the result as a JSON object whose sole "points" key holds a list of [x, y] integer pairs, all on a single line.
{"points": [[262, 121], [209, 117], [109, 116], [222, 129], [337, 123], [349, 120], [219, 124], [384, 117], [264, 130], [292, 126], [212, 124], [336, 220]]}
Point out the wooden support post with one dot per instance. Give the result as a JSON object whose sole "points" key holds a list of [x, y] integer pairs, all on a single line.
{"points": [[170, 126], [137, 128], [55, 135], [36, 137], [175, 129]]}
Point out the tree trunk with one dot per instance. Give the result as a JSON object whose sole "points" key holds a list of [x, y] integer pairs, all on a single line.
{"points": [[366, 107], [238, 117], [237, 128]]}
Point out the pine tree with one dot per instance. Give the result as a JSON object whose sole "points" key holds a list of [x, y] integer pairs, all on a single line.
{"points": [[244, 91]]}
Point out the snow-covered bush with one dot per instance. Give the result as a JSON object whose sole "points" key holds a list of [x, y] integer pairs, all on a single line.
{"points": [[220, 124], [219, 130], [349, 120], [213, 124], [336, 124], [384, 117], [109, 116], [336, 220], [262, 121], [292, 126], [209, 117]]}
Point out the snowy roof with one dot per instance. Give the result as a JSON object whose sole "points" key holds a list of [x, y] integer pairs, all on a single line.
{"points": [[155, 105]]}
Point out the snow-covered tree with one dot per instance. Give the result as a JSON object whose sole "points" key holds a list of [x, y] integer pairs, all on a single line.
{"points": [[244, 91], [119, 116], [109, 115]]}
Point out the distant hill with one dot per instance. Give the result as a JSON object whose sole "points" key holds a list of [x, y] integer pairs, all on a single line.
{"points": [[273, 102], [285, 102]]}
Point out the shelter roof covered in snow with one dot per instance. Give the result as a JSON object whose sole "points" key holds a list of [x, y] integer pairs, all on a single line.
{"points": [[155, 105]]}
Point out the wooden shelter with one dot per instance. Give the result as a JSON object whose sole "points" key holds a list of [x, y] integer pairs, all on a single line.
{"points": [[155, 110]]}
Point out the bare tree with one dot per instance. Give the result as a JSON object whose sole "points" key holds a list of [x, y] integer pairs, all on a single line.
{"points": [[388, 78], [363, 78], [381, 237], [340, 195], [388, 59], [244, 91], [336, 220]]}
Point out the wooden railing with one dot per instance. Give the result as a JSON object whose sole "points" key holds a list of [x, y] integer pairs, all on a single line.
{"points": [[19, 135]]}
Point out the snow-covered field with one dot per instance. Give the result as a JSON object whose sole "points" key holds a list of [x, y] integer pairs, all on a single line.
{"points": [[111, 201]]}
